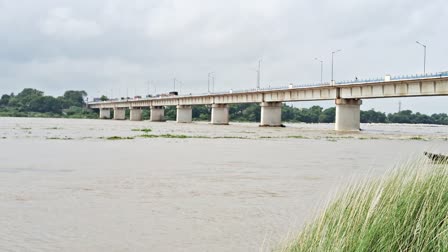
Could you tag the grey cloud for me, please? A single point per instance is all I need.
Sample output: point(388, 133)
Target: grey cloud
point(102, 45)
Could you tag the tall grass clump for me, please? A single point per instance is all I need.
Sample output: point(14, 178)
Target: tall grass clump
point(407, 210)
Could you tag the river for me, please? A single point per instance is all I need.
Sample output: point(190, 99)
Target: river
point(65, 187)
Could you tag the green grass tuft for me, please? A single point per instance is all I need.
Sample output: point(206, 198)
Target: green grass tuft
point(404, 211)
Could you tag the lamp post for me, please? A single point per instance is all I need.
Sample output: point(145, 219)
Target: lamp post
point(208, 81)
point(258, 74)
point(332, 65)
point(424, 56)
point(321, 68)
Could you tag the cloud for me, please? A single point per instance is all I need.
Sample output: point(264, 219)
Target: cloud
point(60, 23)
point(100, 45)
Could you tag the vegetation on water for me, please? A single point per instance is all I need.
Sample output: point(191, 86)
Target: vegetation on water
point(33, 103)
point(404, 211)
point(119, 138)
point(59, 138)
point(146, 130)
point(171, 136)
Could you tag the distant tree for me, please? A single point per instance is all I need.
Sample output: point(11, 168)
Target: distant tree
point(372, 116)
point(404, 116)
point(45, 104)
point(440, 118)
point(170, 113)
point(104, 98)
point(202, 113)
point(5, 100)
point(328, 115)
point(23, 99)
point(74, 98)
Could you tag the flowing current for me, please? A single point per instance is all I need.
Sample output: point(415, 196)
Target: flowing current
point(64, 186)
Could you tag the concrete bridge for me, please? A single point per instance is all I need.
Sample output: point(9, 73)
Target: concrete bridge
point(347, 96)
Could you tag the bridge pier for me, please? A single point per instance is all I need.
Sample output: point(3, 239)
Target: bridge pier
point(104, 113)
point(157, 114)
point(136, 114)
point(220, 114)
point(184, 114)
point(271, 114)
point(119, 113)
point(348, 114)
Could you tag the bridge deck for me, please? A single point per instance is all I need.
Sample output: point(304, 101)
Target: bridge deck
point(434, 85)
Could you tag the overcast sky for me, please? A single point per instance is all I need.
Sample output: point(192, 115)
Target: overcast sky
point(110, 46)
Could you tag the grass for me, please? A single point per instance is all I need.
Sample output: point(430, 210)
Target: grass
point(407, 210)
point(143, 130)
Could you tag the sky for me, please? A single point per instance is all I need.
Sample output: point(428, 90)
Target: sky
point(119, 48)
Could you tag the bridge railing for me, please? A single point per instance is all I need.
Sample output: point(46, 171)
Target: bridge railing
point(392, 78)
point(344, 82)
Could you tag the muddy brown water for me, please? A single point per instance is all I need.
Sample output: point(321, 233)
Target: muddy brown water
point(65, 187)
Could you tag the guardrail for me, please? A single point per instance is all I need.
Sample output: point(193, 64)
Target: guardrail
point(345, 82)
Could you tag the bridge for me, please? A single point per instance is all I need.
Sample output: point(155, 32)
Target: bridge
point(347, 95)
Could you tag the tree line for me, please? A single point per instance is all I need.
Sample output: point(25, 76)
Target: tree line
point(314, 114)
point(32, 102)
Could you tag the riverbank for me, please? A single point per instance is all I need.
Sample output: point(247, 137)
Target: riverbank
point(406, 210)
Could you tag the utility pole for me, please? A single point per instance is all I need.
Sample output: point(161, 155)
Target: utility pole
point(213, 82)
point(399, 106)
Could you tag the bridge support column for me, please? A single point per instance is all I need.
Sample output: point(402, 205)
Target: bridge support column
point(157, 114)
point(104, 113)
point(271, 114)
point(119, 113)
point(348, 114)
point(184, 114)
point(136, 114)
point(220, 114)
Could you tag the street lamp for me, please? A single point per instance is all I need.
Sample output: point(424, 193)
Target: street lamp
point(208, 81)
point(332, 64)
point(424, 56)
point(321, 68)
point(258, 74)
